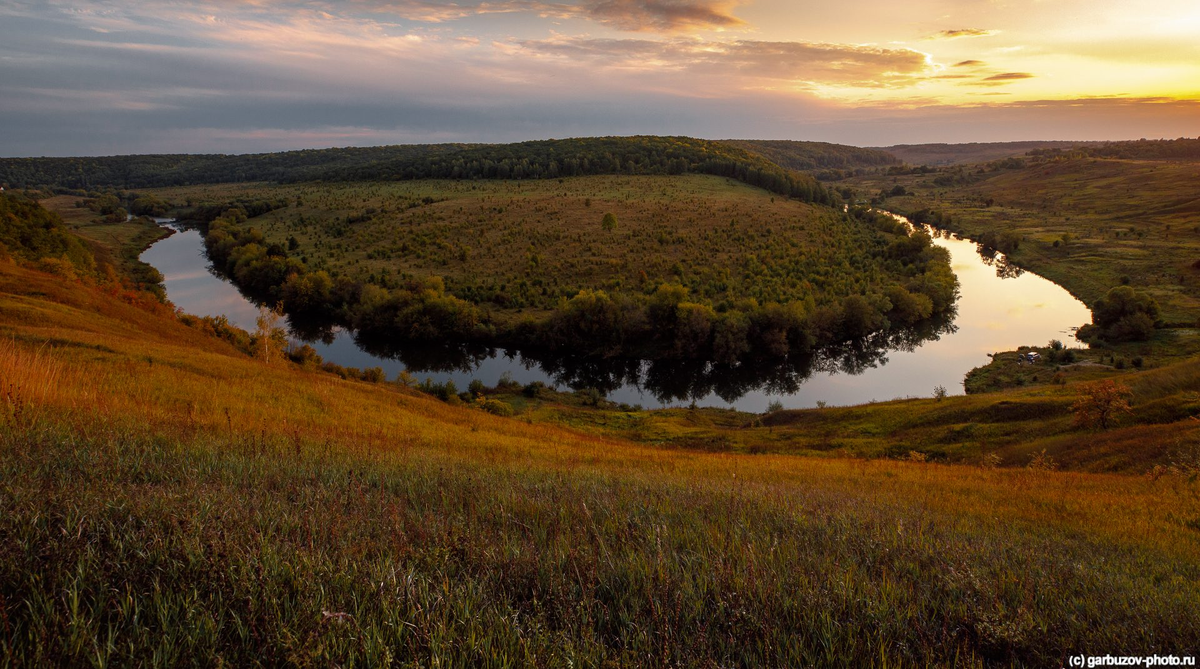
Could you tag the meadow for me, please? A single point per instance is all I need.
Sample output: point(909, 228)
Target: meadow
point(167, 500)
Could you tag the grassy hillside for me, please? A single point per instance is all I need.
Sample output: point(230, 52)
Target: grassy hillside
point(1086, 224)
point(167, 500)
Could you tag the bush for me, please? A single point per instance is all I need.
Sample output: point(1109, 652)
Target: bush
point(1123, 315)
point(374, 375)
point(1101, 404)
point(533, 389)
point(493, 406)
point(305, 356)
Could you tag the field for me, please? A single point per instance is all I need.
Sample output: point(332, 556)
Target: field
point(523, 246)
point(167, 500)
point(1086, 224)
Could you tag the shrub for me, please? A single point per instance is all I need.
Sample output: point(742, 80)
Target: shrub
point(1101, 404)
point(406, 379)
point(1042, 462)
point(306, 356)
point(533, 389)
point(494, 406)
point(374, 375)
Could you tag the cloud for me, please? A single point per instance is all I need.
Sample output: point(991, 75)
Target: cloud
point(959, 33)
point(662, 16)
point(1009, 76)
point(970, 63)
point(747, 62)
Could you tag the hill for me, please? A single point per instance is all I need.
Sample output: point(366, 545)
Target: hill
point(149, 171)
point(973, 152)
point(526, 160)
point(814, 156)
point(168, 499)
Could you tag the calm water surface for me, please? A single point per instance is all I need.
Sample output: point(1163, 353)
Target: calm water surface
point(999, 308)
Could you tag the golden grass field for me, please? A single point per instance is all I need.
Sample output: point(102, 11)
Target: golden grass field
point(166, 500)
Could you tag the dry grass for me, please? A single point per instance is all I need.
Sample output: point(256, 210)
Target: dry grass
point(177, 503)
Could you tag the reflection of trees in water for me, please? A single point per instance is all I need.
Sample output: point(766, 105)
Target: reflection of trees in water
point(675, 380)
point(993, 258)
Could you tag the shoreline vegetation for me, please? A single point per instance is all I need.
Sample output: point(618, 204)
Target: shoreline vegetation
point(661, 321)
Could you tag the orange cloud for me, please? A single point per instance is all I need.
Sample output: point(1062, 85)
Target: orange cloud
point(1010, 76)
point(666, 16)
point(743, 63)
point(663, 15)
point(959, 33)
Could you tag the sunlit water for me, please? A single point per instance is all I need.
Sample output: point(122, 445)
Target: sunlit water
point(999, 309)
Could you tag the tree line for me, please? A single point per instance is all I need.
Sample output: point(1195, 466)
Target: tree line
point(664, 322)
point(1183, 148)
point(526, 160)
point(552, 159)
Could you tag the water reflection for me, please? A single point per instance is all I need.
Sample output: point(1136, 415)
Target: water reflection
point(672, 381)
point(999, 308)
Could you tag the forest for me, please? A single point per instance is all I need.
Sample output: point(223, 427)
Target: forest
point(1143, 149)
point(815, 156)
point(773, 165)
point(722, 271)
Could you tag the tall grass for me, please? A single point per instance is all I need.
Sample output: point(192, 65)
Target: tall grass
point(171, 502)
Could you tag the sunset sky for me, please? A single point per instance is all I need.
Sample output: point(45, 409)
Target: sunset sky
point(117, 76)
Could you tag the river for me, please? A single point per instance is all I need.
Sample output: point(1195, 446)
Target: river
point(999, 309)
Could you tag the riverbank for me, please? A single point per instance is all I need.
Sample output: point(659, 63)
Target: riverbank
point(994, 313)
point(1087, 224)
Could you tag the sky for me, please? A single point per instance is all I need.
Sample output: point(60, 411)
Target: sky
point(98, 77)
